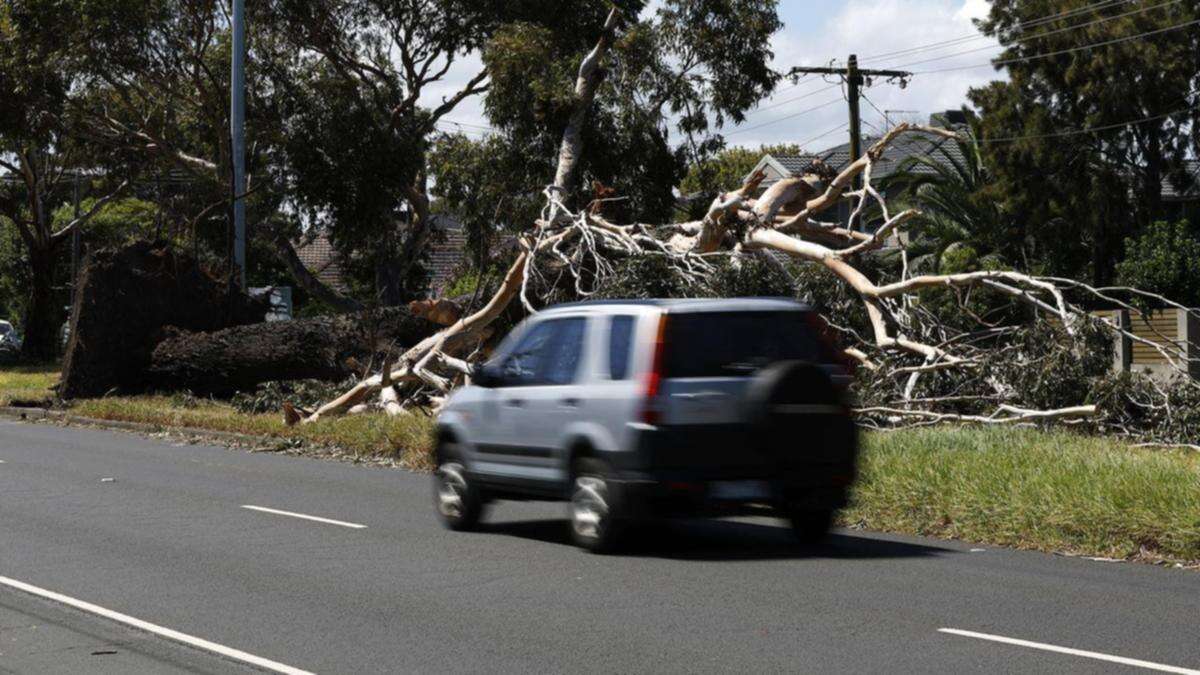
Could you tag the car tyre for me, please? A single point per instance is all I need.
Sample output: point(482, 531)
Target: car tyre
point(811, 526)
point(457, 498)
point(596, 508)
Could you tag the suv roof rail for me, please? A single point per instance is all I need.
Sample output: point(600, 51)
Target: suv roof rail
point(667, 302)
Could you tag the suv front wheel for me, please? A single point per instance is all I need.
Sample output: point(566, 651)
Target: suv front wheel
point(596, 507)
point(458, 500)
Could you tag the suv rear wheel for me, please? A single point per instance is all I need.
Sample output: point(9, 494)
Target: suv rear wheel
point(596, 507)
point(458, 500)
point(811, 527)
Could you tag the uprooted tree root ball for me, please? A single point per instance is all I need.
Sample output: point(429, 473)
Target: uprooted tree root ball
point(126, 298)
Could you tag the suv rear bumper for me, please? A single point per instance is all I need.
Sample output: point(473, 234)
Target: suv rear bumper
point(682, 470)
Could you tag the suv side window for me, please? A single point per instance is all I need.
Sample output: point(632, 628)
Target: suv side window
point(620, 339)
point(566, 352)
point(548, 354)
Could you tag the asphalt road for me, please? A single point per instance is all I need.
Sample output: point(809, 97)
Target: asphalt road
point(160, 533)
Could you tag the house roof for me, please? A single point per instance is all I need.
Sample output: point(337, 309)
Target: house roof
point(914, 144)
point(317, 256)
point(1190, 189)
point(446, 253)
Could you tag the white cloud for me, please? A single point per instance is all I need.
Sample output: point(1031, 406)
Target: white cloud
point(876, 30)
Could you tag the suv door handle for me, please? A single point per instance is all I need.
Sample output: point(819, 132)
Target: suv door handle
point(570, 402)
point(514, 403)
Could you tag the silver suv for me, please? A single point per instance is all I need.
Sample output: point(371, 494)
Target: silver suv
point(635, 409)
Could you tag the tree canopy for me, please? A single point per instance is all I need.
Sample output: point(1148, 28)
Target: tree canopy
point(1080, 193)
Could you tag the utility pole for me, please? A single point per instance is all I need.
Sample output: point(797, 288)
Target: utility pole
point(237, 121)
point(854, 83)
point(855, 78)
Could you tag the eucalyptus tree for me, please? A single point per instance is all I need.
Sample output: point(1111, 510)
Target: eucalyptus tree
point(42, 80)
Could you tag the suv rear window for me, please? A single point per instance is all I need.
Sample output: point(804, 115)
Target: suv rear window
point(733, 344)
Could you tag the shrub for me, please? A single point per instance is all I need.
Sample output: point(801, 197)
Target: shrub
point(1165, 259)
point(269, 397)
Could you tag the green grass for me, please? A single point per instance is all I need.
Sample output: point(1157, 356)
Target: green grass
point(1051, 491)
point(408, 438)
point(27, 385)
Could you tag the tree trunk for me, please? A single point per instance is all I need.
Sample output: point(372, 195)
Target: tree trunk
point(237, 359)
point(41, 325)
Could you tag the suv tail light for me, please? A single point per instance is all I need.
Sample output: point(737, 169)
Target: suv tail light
point(829, 342)
point(651, 413)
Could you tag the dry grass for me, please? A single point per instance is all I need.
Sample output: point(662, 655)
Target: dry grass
point(27, 385)
point(1051, 491)
point(408, 439)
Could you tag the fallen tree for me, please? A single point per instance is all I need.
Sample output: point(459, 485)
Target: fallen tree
point(900, 343)
point(224, 362)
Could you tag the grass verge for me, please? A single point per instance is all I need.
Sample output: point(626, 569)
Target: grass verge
point(1050, 491)
point(27, 385)
point(408, 439)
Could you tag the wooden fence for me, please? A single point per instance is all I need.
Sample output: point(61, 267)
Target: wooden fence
point(1158, 337)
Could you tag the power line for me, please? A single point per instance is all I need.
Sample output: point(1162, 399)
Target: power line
point(798, 98)
point(1032, 23)
point(1088, 130)
point(818, 137)
point(1034, 57)
point(872, 104)
point(466, 124)
point(1048, 33)
point(786, 117)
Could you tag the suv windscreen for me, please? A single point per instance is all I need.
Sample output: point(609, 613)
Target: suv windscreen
point(734, 344)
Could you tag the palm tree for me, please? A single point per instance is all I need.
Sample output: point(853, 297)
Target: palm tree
point(959, 226)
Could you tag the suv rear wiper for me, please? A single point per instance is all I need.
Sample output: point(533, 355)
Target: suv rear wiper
point(742, 366)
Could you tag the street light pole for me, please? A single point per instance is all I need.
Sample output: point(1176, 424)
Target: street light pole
point(237, 121)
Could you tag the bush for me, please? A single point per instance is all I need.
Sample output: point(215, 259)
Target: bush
point(1133, 402)
point(269, 397)
point(1165, 259)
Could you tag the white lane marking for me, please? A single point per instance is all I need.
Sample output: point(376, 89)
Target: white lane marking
point(1073, 652)
point(190, 640)
point(318, 519)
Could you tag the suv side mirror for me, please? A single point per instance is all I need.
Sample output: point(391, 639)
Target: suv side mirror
point(488, 376)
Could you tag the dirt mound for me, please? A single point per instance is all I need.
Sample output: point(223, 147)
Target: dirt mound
point(127, 299)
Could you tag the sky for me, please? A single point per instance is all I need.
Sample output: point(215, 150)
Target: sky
point(815, 33)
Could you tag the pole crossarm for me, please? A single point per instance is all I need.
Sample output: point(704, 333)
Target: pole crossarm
point(804, 70)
